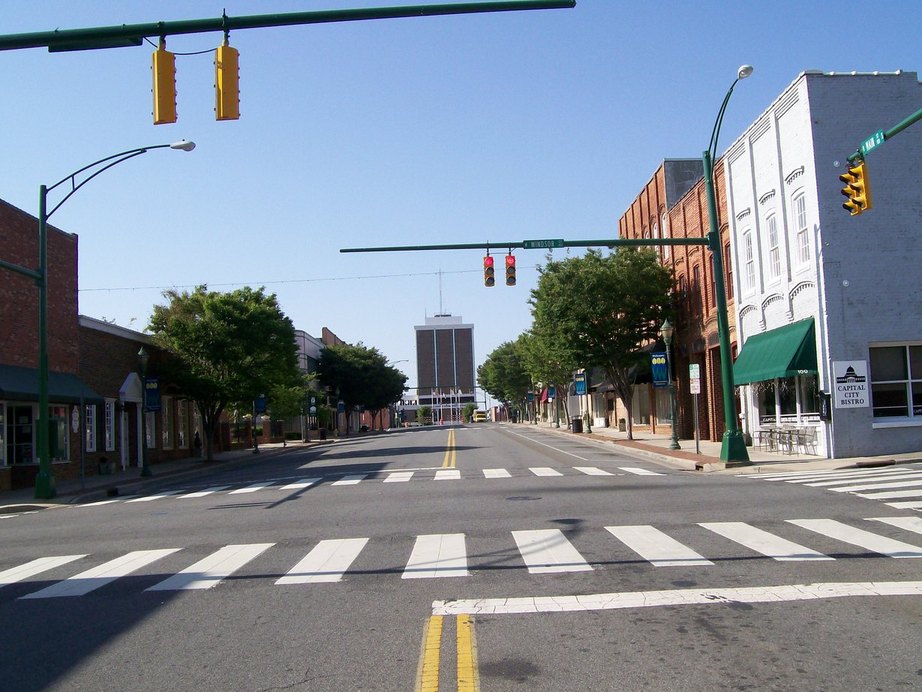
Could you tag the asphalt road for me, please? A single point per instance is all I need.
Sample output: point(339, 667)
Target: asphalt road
point(440, 559)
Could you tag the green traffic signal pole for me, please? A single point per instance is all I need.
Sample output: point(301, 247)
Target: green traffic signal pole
point(882, 136)
point(134, 34)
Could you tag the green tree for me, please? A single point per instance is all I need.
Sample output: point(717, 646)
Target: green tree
point(605, 309)
point(469, 409)
point(225, 348)
point(549, 359)
point(503, 374)
point(424, 414)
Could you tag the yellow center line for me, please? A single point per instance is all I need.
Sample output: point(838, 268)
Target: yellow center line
point(450, 451)
point(468, 675)
point(427, 674)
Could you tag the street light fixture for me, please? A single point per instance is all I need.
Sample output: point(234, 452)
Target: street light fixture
point(143, 358)
point(666, 332)
point(733, 446)
point(44, 480)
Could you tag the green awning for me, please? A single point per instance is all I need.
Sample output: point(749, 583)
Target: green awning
point(783, 352)
point(21, 384)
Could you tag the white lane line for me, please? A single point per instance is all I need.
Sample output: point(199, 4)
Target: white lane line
point(208, 573)
point(351, 480)
point(913, 524)
point(158, 496)
point(880, 485)
point(675, 597)
point(764, 542)
point(865, 479)
point(203, 493)
point(545, 471)
point(544, 444)
point(99, 503)
point(448, 475)
point(399, 477)
point(326, 563)
point(252, 488)
point(863, 539)
point(548, 550)
point(301, 484)
point(593, 471)
point(437, 555)
point(33, 567)
point(656, 547)
point(92, 579)
point(639, 471)
point(496, 473)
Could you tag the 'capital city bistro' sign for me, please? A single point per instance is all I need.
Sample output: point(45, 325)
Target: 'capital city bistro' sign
point(851, 384)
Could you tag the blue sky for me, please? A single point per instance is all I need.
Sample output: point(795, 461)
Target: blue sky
point(456, 129)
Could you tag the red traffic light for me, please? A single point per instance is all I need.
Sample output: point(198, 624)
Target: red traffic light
point(510, 270)
point(489, 277)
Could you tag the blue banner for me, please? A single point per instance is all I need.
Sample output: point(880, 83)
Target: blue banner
point(151, 393)
point(660, 369)
point(581, 383)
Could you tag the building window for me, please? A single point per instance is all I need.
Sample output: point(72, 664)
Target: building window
point(181, 441)
point(665, 226)
point(896, 381)
point(2, 431)
point(90, 428)
point(166, 427)
point(750, 261)
point(151, 431)
point(728, 267)
point(774, 250)
point(110, 426)
point(800, 223)
point(713, 297)
point(697, 289)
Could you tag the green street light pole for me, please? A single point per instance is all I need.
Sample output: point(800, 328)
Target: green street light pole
point(733, 446)
point(44, 481)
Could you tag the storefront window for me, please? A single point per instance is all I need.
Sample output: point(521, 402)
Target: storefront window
point(896, 381)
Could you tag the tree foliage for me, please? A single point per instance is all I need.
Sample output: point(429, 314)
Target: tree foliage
point(600, 311)
point(226, 348)
point(503, 374)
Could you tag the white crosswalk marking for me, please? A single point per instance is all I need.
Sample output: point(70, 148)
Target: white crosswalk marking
point(399, 477)
point(879, 485)
point(905, 505)
point(763, 542)
point(852, 480)
point(252, 488)
point(809, 476)
point(99, 503)
point(913, 524)
point(861, 538)
point(593, 471)
point(351, 480)
point(496, 473)
point(448, 475)
point(637, 471)
point(301, 484)
point(327, 562)
point(548, 550)
point(33, 567)
point(92, 579)
point(205, 492)
point(437, 555)
point(208, 573)
point(545, 471)
point(158, 496)
point(656, 547)
point(891, 494)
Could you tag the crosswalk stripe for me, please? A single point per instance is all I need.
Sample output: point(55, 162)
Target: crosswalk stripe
point(859, 537)
point(886, 478)
point(327, 562)
point(545, 471)
point(351, 480)
point(763, 542)
point(637, 471)
point(301, 484)
point(905, 505)
point(33, 567)
point(656, 547)
point(807, 476)
point(99, 503)
point(913, 524)
point(878, 486)
point(208, 573)
point(593, 471)
point(496, 473)
point(891, 494)
point(448, 475)
point(398, 477)
point(437, 555)
point(203, 493)
point(158, 496)
point(92, 579)
point(252, 488)
point(548, 550)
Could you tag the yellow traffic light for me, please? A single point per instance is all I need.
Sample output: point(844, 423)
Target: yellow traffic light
point(164, 72)
point(227, 83)
point(857, 189)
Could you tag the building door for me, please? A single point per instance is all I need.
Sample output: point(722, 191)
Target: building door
point(123, 448)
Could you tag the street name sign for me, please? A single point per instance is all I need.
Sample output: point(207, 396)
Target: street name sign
point(541, 244)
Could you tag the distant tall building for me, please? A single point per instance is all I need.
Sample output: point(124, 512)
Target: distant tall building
point(445, 365)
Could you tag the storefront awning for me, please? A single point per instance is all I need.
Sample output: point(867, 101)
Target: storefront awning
point(21, 384)
point(783, 352)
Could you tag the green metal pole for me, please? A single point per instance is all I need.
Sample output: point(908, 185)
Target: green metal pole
point(733, 447)
point(44, 481)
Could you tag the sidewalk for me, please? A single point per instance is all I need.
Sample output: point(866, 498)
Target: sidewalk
point(130, 482)
point(655, 446)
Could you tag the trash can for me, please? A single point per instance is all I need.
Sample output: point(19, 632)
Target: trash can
point(323, 433)
point(576, 424)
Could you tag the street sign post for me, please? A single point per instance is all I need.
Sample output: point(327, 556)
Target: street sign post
point(694, 380)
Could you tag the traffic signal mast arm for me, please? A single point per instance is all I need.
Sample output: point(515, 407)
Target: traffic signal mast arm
point(882, 136)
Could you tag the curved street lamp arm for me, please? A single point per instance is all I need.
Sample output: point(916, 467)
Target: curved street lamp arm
point(715, 133)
